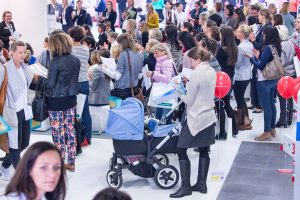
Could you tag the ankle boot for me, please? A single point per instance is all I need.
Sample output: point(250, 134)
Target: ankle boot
point(239, 117)
point(247, 120)
point(202, 175)
point(185, 173)
point(241, 121)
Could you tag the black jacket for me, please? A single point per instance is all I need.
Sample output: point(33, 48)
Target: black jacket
point(62, 80)
point(80, 18)
point(102, 39)
point(258, 42)
point(68, 17)
point(5, 33)
point(112, 17)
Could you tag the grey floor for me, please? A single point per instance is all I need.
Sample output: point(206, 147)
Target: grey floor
point(254, 174)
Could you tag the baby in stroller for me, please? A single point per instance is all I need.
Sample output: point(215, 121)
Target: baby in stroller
point(139, 149)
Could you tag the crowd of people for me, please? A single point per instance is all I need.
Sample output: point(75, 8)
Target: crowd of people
point(239, 41)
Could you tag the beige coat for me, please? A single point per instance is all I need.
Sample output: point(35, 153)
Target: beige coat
point(200, 98)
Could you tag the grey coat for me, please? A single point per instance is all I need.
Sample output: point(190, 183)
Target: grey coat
point(99, 88)
point(14, 88)
point(288, 52)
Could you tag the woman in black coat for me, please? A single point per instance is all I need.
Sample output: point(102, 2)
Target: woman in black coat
point(7, 28)
point(61, 91)
point(109, 15)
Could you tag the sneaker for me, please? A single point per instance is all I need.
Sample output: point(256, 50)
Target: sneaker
point(4, 173)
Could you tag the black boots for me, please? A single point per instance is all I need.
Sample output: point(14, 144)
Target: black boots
point(185, 173)
point(203, 166)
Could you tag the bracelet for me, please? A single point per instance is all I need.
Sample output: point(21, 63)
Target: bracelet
point(152, 74)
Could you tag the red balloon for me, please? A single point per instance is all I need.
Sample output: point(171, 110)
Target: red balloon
point(285, 86)
point(298, 79)
point(295, 92)
point(223, 85)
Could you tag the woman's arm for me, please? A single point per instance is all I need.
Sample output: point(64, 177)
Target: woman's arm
point(192, 89)
point(52, 75)
point(240, 58)
point(265, 57)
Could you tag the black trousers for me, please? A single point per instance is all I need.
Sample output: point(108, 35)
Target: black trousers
point(13, 157)
point(239, 89)
point(222, 107)
point(286, 110)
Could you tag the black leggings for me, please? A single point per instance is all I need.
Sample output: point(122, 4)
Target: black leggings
point(182, 155)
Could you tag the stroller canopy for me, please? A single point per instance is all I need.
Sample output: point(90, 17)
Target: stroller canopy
point(127, 121)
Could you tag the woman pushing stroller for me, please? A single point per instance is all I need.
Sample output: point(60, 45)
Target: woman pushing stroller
point(199, 124)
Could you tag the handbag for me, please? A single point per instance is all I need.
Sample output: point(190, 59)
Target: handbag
point(135, 92)
point(4, 146)
point(274, 69)
point(39, 105)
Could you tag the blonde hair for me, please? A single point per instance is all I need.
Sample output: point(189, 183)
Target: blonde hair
point(115, 51)
point(59, 44)
point(16, 44)
point(162, 48)
point(94, 57)
point(151, 43)
point(149, 5)
point(131, 24)
point(203, 16)
point(245, 29)
point(155, 33)
point(285, 8)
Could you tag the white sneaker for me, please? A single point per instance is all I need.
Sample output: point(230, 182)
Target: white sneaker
point(4, 173)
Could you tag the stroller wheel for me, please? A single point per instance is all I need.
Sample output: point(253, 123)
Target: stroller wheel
point(162, 159)
point(114, 179)
point(166, 176)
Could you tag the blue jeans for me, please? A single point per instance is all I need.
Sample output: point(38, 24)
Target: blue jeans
point(86, 117)
point(266, 90)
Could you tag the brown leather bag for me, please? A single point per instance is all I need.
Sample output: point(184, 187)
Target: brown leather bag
point(3, 137)
point(135, 92)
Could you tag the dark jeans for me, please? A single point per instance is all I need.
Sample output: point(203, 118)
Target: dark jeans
point(253, 92)
point(86, 117)
point(266, 90)
point(239, 89)
point(13, 157)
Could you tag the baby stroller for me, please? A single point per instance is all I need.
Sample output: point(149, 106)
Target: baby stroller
point(142, 152)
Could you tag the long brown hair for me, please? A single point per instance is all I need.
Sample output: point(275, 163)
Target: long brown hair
point(228, 44)
point(22, 181)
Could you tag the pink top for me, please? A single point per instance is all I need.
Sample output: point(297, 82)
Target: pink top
point(164, 70)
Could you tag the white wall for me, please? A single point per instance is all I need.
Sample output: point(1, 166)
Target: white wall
point(30, 19)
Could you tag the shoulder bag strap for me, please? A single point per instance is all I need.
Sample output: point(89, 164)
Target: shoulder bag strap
point(129, 64)
point(175, 70)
